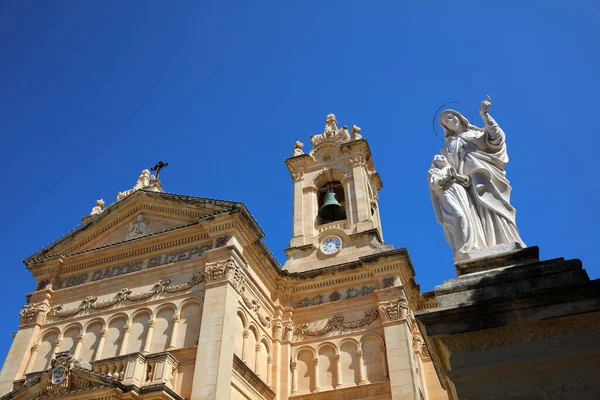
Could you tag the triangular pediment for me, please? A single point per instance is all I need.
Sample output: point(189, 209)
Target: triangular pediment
point(139, 215)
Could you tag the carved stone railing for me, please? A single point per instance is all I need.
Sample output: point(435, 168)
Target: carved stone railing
point(337, 224)
point(138, 369)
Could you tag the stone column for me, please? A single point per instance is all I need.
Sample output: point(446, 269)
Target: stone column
point(126, 333)
point(294, 378)
point(338, 366)
point(78, 346)
point(57, 343)
point(269, 367)
point(311, 206)
point(245, 336)
point(173, 342)
point(361, 368)
point(256, 358)
point(316, 363)
point(100, 349)
point(149, 336)
point(34, 352)
point(217, 331)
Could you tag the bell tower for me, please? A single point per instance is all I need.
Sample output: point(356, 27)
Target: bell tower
point(336, 214)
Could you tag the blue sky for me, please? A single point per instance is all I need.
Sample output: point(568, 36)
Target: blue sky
point(91, 93)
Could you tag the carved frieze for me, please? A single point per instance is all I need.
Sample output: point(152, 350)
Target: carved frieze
point(351, 293)
point(126, 294)
point(337, 322)
point(128, 268)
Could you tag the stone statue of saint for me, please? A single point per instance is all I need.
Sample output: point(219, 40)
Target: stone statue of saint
point(138, 229)
point(99, 207)
point(480, 154)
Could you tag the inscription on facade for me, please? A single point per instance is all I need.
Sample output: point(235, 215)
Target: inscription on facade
point(128, 268)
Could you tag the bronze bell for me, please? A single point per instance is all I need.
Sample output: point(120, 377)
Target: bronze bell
point(332, 210)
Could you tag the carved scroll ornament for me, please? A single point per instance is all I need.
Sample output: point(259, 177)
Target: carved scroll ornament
point(91, 302)
point(337, 322)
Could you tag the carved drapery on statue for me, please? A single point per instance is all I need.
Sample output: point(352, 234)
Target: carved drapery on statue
point(468, 185)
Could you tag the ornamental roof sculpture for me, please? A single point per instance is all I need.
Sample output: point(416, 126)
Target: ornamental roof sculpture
point(334, 134)
point(144, 181)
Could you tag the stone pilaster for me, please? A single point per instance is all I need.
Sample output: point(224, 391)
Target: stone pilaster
point(216, 344)
point(394, 312)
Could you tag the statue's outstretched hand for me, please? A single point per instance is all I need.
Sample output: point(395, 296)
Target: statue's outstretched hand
point(485, 105)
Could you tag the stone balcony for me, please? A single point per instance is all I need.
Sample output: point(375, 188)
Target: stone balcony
point(139, 369)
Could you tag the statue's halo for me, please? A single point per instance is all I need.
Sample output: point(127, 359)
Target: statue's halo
point(435, 116)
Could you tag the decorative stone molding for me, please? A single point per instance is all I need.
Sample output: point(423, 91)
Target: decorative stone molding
point(254, 307)
point(394, 310)
point(312, 301)
point(126, 294)
point(221, 241)
point(337, 322)
point(388, 282)
point(351, 293)
point(34, 313)
point(358, 160)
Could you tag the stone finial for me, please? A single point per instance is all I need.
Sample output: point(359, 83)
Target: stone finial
point(99, 207)
point(298, 148)
point(355, 131)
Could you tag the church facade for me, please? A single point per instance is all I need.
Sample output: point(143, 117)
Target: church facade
point(167, 296)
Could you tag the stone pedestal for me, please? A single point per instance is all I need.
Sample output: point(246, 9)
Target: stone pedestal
point(512, 327)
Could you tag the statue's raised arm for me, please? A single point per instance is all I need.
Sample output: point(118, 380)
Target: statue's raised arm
point(494, 134)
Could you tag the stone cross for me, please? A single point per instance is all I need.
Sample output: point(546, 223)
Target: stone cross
point(160, 165)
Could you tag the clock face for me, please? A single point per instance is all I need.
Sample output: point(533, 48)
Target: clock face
point(331, 245)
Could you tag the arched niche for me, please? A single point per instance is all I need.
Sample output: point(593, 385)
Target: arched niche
point(46, 350)
point(240, 326)
point(91, 340)
point(250, 347)
point(163, 328)
point(189, 324)
point(114, 337)
point(350, 363)
point(70, 338)
point(139, 331)
point(327, 367)
point(372, 348)
point(261, 362)
point(305, 371)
